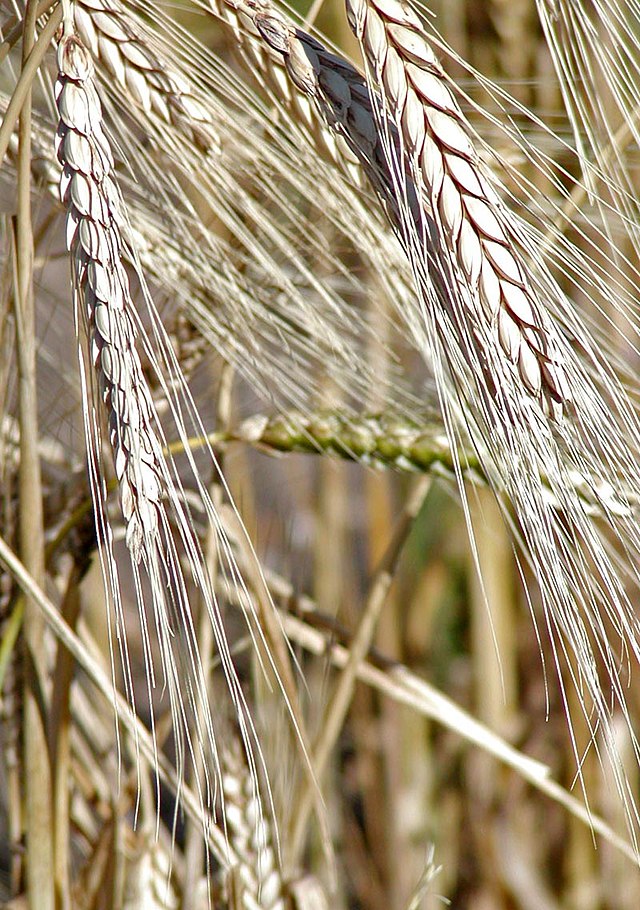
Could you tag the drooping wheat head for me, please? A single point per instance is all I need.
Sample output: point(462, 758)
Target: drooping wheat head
point(159, 531)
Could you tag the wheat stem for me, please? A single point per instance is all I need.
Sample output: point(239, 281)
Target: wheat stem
point(60, 740)
point(340, 700)
point(40, 870)
point(193, 843)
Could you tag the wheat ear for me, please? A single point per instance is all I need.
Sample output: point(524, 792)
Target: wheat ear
point(152, 498)
point(476, 230)
point(415, 444)
point(94, 239)
point(257, 873)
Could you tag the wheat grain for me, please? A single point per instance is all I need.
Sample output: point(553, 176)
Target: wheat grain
point(257, 873)
point(150, 492)
point(147, 873)
point(220, 286)
point(153, 85)
point(296, 67)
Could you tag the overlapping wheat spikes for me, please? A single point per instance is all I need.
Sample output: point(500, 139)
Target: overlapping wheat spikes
point(358, 246)
point(505, 369)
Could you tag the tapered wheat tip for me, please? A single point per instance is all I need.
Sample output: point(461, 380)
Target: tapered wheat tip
point(485, 268)
point(95, 242)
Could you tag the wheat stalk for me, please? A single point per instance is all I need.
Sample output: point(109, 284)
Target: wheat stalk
point(320, 635)
point(475, 236)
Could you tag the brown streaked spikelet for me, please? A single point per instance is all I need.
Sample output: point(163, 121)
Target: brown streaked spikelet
point(474, 226)
point(265, 63)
